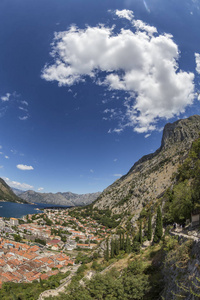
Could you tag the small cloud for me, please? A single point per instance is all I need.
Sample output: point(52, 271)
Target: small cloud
point(1, 152)
point(23, 118)
point(147, 135)
point(6, 97)
point(0, 147)
point(6, 156)
point(24, 167)
point(13, 151)
point(24, 102)
point(22, 108)
point(1, 167)
point(18, 185)
point(91, 171)
point(125, 13)
point(40, 189)
point(117, 175)
point(118, 130)
point(115, 159)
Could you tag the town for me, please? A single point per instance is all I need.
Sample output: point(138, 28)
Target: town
point(38, 246)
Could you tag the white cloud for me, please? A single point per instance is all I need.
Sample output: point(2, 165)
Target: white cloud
point(138, 61)
point(0, 147)
point(6, 156)
point(1, 153)
point(197, 59)
point(22, 108)
point(115, 159)
point(117, 175)
point(23, 118)
point(24, 167)
point(18, 185)
point(147, 135)
point(91, 171)
point(1, 167)
point(24, 102)
point(125, 13)
point(40, 189)
point(6, 97)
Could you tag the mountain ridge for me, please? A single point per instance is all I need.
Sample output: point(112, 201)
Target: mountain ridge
point(65, 198)
point(149, 177)
point(6, 193)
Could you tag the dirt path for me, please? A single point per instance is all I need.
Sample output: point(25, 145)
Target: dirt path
point(191, 237)
point(61, 288)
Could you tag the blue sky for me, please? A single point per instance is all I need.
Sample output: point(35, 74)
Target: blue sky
point(87, 86)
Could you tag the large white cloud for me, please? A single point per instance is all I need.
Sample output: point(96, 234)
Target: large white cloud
point(24, 167)
point(137, 60)
point(18, 185)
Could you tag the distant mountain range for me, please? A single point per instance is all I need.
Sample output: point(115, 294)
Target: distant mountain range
point(66, 199)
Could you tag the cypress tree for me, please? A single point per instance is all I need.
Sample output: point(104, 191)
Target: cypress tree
point(159, 226)
point(116, 250)
point(149, 232)
point(112, 251)
point(123, 246)
point(140, 232)
point(128, 245)
point(120, 241)
point(106, 253)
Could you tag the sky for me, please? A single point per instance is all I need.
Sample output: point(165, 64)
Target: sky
point(86, 87)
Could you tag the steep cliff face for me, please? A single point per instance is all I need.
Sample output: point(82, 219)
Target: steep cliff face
point(6, 193)
point(148, 179)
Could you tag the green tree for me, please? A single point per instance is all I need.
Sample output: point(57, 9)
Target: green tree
point(149, 232)
point(140, 232)
point(159, 226)
point(128, 245)
point(106, 253)
point(112, 251)
point(116, 250)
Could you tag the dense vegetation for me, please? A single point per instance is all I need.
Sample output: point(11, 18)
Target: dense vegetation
point(184, 197)
point(103, 217)
point(132, 284)
point(31, 291)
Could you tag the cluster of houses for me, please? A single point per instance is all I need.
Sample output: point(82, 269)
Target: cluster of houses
point(20, 262)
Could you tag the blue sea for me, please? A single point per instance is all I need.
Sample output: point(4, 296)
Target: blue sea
point(16, 210)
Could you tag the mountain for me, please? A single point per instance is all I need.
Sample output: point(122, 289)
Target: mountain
point(6, 193)
point(66, 199)
point(149, 178)
point(17, 191)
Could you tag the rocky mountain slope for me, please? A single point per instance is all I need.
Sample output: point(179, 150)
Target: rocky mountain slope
point(66, 199)
point(149, 178)
point(6, 193)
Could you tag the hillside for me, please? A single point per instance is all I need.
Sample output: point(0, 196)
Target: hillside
point(149, 178)
point(66, 199)
point(6, 193)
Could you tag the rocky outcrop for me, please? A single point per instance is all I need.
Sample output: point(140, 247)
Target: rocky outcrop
point(181, 271)
point(149, 177)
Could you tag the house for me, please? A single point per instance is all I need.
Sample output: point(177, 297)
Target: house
point(14, 222)
point(195, 218)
